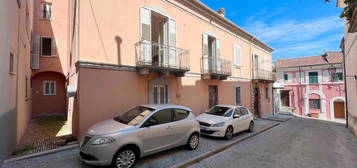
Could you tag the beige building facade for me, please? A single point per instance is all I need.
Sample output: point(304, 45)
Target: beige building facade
point(15, 74)
point(349, 48)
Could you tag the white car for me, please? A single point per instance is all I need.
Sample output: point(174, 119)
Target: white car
point(225, 121)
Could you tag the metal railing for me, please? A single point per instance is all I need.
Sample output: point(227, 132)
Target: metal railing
point(263, 74)
point(152, 54)
point(217, 66)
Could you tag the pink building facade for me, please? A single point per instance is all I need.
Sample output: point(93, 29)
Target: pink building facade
point(311, 86)
point(96, 59)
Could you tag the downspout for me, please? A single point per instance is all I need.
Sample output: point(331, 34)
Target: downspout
point(345, 81)
point(299, 92)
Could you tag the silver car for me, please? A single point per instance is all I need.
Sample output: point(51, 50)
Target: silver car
point(141, 131)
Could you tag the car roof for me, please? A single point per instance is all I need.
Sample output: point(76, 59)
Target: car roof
point(164, 106)
point(229, 106)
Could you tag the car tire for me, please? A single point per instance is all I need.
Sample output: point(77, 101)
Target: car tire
point(125, 158)
point(193, 141)
point(251, 126)
point(229, 133)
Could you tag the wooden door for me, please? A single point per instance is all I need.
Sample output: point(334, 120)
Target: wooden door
point(212, 96)
point(339, 108)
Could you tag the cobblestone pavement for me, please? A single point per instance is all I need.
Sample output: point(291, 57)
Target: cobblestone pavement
point(296, 143)
point(70, 158)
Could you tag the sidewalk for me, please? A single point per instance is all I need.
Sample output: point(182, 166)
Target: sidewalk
point(170, 158)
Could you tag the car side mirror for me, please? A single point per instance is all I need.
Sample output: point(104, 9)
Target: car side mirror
point(236, 116)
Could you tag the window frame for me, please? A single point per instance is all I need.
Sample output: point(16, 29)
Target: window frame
point(311, 106)
point(43, 11)
point(311, 81)
point(340, 74)
point(286, 77)
point(238, 99)
point(41, 46)
point(49, 82)
point(12, 63)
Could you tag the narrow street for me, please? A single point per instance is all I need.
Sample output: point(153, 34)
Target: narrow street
point(296, 143)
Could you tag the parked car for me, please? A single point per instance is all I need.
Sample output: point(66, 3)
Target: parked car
point(141, 131)
point(225, 121)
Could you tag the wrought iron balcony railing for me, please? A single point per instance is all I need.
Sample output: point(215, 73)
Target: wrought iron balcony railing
point(262, 74)
point(216, 66)
point(161, 56)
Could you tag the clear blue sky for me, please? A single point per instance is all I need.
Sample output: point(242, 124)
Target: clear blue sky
point(293, 28)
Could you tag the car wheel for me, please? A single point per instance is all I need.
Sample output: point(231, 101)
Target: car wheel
point(229, 132)
point(193, 141)
point(125, 158)
point(251, 126)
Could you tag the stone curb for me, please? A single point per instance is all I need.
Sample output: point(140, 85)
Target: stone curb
point(220, 149)
point(42, 153)
point(278, 120)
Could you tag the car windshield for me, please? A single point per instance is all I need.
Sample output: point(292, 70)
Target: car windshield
point(134, 116)
point(220, 111)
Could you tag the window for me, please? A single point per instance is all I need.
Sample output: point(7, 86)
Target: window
point(48, 46)
point(313, 77)
point(237, 55)
point(26, 87)
point(267, 93)
point(244, 111)
point(238, 98)
point(238, 111)
point(162, 117)
point(314, 103)
point(180, 114)
point(49, 88)
point(160, 94)
point(12, 64)
point(46, 11)
point(286, 77)
point(337, 77)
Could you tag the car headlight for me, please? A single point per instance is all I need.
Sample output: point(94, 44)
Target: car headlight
point(220, 124)
point(103, 140)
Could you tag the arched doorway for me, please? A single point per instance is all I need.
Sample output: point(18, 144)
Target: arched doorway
point(48, 94)
point(337, 108)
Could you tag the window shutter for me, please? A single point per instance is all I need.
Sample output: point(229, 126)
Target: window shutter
point(145, 19)
point(205, 58)
point(35, 52)
point(172, 43)
point(218, 55)
point(54, 46)
point(237, 55)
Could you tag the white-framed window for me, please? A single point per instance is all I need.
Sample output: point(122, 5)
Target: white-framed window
point(48, 47)
point(238, 96)
point(46, 12)
point(315, 104)
point(237, 55)
point(160, 94)
point(12, 64)
point(338, 77)
point(49, 88)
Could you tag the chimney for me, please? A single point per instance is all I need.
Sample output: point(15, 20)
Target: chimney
point(221, 11)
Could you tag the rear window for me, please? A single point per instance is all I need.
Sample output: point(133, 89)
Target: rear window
point(180, 114)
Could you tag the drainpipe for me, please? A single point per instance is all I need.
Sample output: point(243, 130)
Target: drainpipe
point(345, 82)
point(299, 96)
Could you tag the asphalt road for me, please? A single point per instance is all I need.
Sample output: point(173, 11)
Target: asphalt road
point(298, 143)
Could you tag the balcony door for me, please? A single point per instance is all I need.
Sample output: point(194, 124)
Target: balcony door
point(211, 54)
point(158, 33)
point(159, 91)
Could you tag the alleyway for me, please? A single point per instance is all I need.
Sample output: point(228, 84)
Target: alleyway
point(294, 144)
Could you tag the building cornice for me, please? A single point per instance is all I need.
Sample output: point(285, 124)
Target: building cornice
point(227, 23)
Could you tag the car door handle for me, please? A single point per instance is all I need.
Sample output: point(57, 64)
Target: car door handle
point(169, 128)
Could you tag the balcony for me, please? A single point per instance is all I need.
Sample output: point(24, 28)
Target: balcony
point(215, 68)
point(156, 58)
point(262, 75)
